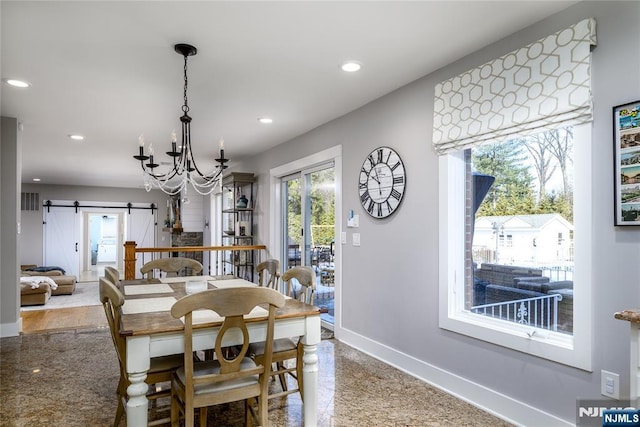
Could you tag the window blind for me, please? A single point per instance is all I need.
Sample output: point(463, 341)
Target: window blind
point(544, 85)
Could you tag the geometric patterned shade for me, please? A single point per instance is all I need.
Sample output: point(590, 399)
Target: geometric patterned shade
point(546, 84)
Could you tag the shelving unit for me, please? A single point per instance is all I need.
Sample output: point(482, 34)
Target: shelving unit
point(237, 223)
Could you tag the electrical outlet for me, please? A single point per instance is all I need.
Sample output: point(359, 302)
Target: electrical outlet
point(610, 384)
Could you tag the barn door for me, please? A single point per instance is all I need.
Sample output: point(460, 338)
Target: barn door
point(61, 239)
point(141, 228)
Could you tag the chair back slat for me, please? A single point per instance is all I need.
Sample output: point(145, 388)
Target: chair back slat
point(112, 299)
point(172, 266)
point(306, 277)
point(113, 275)
point(269, 274)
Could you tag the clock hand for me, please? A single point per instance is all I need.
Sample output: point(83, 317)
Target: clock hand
point(375, 178)
point(378, 180)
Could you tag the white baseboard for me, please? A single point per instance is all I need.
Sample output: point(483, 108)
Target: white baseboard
point(491, 401)
point(10, 329)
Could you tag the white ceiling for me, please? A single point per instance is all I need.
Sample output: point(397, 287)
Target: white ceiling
point(108, 70)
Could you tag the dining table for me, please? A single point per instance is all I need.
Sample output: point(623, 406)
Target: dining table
point(151, 331)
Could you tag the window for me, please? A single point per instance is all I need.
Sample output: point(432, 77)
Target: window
point(485, 251)
point(521, 188)
point(509, 107)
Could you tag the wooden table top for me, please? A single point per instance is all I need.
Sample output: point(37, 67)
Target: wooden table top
point(159, 322)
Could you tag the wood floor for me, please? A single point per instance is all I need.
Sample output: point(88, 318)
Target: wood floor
point(63, 318)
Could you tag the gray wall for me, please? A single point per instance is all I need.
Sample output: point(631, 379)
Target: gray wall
point(390, 283)
point(10, 172)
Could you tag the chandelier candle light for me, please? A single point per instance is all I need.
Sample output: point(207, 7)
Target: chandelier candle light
point(184, 164)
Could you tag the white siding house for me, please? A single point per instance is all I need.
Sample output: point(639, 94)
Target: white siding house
point(527, 240)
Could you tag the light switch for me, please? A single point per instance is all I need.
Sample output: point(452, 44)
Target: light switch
point(356, 239)
point(343, 237)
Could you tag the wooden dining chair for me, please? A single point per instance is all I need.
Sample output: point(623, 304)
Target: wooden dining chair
point(113, 275)
point(172, 266)
point(269, 274)
point(161, 368)
point(228, 378)
point(303, 288)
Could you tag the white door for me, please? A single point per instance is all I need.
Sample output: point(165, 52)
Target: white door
point(61, 239)
point(141, 228)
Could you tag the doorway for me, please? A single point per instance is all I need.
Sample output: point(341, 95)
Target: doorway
point(306, 224)
point(102, 241)
point(309, 229)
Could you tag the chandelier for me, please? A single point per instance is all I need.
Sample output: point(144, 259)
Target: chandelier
point(184, 170)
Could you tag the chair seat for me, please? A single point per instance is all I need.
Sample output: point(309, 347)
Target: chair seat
point(165, 363)
point(279, 345)
point(213, 367)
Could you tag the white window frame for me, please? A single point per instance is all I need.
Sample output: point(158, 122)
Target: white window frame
point(573, 350)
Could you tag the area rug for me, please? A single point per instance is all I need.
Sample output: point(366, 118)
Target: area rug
point(86, 293)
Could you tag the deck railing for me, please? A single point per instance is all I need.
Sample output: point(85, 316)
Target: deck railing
point(539, 312)
point(131, 252)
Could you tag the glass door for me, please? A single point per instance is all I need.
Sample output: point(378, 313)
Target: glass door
point(292, 221)
point(309, 229)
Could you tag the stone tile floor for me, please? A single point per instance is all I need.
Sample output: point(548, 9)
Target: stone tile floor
point(69, 378)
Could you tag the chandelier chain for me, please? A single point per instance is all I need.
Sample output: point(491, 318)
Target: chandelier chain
point(185, 107)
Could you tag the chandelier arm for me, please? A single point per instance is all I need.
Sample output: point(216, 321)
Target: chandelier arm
point(192, 160)
point(164, 177)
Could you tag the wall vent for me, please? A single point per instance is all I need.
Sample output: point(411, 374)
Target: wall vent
point(30, 201)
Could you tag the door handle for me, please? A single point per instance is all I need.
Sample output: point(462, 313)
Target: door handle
point(76, 246)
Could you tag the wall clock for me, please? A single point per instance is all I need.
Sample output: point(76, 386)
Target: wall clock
point(382, 182)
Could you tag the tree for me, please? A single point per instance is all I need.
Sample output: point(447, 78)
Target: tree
point(294, 211)
point(557, 203)
point(538, 149)
point(560, 143)
point(512, 191)
point(321, 206)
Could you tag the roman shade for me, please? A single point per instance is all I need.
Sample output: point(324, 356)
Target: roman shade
point(544, 85)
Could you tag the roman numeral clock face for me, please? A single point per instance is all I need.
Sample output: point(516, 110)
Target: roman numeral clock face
point(381, 182)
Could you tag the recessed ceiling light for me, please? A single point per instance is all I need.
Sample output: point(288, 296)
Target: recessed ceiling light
point(36, 179)
point(265, 120)
point(17, 83)
point(76, 137)
point(351, 66)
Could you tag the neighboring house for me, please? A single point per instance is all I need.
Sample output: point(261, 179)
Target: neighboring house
point(527, 240)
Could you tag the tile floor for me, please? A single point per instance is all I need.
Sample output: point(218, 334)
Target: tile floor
point(69, 378)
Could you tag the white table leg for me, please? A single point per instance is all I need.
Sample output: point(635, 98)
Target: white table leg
point(310, 371)
point(137, 404)
point(138, 362)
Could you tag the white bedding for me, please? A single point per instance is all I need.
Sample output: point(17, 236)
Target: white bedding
point(35, 281)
